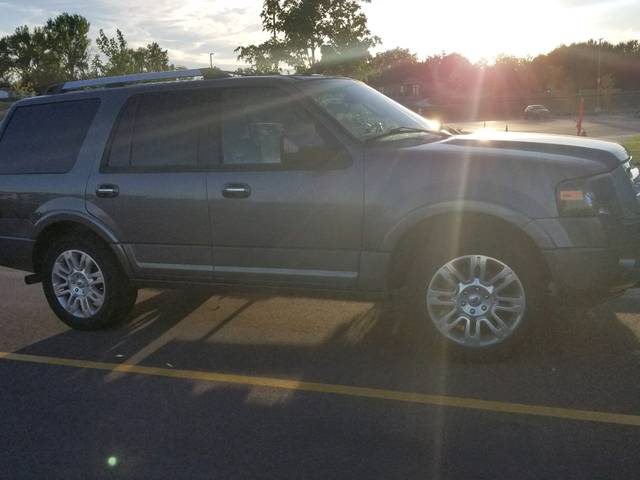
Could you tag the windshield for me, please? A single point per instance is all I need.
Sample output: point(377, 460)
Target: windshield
point(365, 112)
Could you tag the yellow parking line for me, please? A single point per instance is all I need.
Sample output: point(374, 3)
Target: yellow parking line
point(344, 390)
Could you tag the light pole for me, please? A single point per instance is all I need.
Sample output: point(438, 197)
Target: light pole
point(211, 59)
point(598, 80)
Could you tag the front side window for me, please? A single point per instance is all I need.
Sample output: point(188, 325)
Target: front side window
point(263, 126)
point(364, 111)
point(45, 138)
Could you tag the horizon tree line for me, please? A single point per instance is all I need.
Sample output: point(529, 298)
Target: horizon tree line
point(319, 36)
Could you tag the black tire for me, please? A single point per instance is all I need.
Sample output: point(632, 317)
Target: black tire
point(438, 252)
point(119, 296)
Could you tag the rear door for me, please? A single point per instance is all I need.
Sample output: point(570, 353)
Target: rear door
point(151, 187)
point(286, 199)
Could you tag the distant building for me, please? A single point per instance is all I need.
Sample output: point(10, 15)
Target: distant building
point(5, 93)
point(410, 92)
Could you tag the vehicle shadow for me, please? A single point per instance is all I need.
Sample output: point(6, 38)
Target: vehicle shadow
point(151, 318)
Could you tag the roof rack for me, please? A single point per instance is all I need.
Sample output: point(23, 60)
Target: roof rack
point(122, 80)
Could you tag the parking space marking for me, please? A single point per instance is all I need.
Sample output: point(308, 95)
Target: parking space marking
point(342, 390)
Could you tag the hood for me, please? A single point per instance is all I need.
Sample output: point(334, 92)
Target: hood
point(608, 154)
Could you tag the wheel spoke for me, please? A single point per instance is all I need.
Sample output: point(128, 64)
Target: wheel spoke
point(441, 297)
point(459, 319)
point(451, 274)
point(61, 270)
point(472, 332)
point(503, 279)
point(67, 258)
point(61, 290)
point(74, 303)
point(84, 306)
point(85, 263)
point(95, 278)
point(496, 325)
point(478, 267)
point(96, 297)
point(509, 304)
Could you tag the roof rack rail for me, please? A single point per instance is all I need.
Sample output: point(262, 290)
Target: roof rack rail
point(121, 80)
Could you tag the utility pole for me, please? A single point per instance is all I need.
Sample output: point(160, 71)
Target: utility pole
point(211, 59)
point(598, 84)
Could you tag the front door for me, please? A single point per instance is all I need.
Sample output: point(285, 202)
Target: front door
point(286, 199)
point(151, 187)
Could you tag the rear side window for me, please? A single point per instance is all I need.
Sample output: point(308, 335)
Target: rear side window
point(162, 131)
point(45, 138)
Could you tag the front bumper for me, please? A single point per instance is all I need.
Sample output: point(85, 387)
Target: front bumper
point(597, 270)
point(593, 255)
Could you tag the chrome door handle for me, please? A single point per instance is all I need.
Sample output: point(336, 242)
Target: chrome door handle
point(236, 190)
point(107, 191)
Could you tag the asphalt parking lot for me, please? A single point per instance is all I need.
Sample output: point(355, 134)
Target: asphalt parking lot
point(206, 385)
point(607, 127)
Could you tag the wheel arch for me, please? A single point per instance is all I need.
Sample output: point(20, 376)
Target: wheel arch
point(417, 229)
point(53, 226)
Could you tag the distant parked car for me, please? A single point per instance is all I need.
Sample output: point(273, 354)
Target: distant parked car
point(536, 112)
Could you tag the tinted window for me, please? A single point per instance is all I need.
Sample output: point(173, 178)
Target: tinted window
point(259, 125)
point(165, 130)
point(120, 155)
point(45, 138)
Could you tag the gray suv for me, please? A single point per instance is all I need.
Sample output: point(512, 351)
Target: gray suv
point(307, 182)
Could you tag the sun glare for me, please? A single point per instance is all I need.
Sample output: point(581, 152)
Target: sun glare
point(484, 29)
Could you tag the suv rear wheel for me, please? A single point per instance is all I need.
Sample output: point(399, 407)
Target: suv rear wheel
point(479, 299)
point(84, 284)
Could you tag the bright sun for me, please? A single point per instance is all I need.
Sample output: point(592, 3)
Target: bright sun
point(480, 29)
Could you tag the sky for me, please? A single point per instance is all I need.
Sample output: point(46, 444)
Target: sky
point(479, 29)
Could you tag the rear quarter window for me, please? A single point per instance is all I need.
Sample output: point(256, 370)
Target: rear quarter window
point(45, 138)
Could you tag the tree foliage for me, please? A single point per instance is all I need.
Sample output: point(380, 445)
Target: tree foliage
point(566, 71)
point(311, 35)
point(117, 58)
point(33, 58)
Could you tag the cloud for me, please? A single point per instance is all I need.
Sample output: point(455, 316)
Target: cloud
point(188, 29)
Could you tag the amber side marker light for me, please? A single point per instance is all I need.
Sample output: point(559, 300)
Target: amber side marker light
point(571, 195)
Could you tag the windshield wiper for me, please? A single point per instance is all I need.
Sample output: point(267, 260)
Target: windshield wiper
point(401, 130)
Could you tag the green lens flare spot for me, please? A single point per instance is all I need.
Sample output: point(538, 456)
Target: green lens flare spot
point(112, 461)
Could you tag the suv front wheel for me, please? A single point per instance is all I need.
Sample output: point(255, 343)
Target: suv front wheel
point(479, 301)
point(84, 284)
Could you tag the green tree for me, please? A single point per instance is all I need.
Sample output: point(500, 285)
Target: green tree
point(57, 51)
point(117, 58)
point(392, 58)
point(67, 41)
point(311, 35)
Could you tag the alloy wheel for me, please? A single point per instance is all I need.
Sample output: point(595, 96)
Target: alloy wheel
point(476, 301)
point(78, 283)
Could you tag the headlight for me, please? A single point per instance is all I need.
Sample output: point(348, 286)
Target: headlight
point(588, 197)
